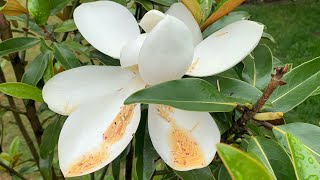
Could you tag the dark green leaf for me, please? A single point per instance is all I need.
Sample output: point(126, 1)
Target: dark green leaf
point(224, 21)
point(305, 165)
point(258, 67)
point(49, 72)
point(272, 156)
point(45, 165)
point(65, 56)
point(17, 44)
point(223, 174)
point(165, 2)
point(45, 48)
point(105, 59)
point(223, 120)
point(75, 46)
point(240, 91)
point(196, 174)
point(302, 81)
point(144, 151)
point(35, 69)
point(188, 94)
point(58, 5)
point(240, 165)
point(21, 90)
point(66, 26)
point(307, 133)
point(146, 4)
point(50, 137)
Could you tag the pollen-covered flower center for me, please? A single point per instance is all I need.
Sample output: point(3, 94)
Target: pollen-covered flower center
point(113, 134)
point(185, 151)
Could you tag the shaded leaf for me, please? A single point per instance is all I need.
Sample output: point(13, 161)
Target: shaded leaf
point(146, 4)
point(268, 36)
point(165, 2)
point(65, 56)
point(45, 48)
point(258, 67)
point(272, 156)
point(75, 46)
point(58, 5)
point(223, 173)
point(223, 120)
point(49, 72)
point(21, 90)
point(206, 7)
point(45, 165)
point(302, 81)
point(188, 94)
point(196, 174)
point(50, 137)
point(223, 8)
point(35, 69)
point(305, 165)
point(66, 26)
point(240, 165)
point(224, 21)
point(17, 44)
point(105, 59)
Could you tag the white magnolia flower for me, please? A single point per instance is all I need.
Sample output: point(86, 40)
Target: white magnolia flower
point(99, 126)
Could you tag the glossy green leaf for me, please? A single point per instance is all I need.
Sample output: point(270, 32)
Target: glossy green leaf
point(65, 56)
point(45, 48)
point(188, 94)
point(307, 133)
point(105, 59)
point(272, 156)
point(302, 81)
point(66, 26)
point(165, 2)
point(146, 4)
point(21, 90)
point(50, 137)
point(75, 46)
point(35, 69)
point(224, 21)
point(258, 67)
point(42, 9)
point(240, 165)
point(305, 164)
point(240, 91)
point(17, 44)
point(144, 151)
point(196, 174)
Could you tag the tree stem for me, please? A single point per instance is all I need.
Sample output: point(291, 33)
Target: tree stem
point(129, 164)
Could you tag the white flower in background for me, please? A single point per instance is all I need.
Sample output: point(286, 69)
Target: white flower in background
point(99, 126)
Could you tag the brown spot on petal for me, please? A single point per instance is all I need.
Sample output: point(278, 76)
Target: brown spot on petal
point(113, 134)
point(193, 66)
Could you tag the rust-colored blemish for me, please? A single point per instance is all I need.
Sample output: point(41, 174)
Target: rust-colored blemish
point(113, 134)
point(193, 66)
point(185, 151)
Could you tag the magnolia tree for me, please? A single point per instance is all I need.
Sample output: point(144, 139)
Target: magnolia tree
point(155, 89)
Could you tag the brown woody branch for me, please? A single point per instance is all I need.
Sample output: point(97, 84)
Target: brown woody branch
point(248, 114)
point(9, 108)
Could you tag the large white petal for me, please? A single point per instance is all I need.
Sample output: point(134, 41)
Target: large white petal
point(180, 11)
point(225, 48)
point(95, 134)
point(167, 52)
point(130, 52)
point(185, 140)
point(151, 19)
point(106, 25)
point(67, 90)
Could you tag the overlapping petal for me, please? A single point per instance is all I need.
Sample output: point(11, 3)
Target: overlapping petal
point(167, 52)
point(185, 140)
point(96, 133)
point(181, 12)
point(130, 52)
point(225, 48)
point(151, 19)
point(67, 90)
point(106, 25)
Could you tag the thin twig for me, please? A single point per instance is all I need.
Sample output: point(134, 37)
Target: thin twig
point(128, 174)
point(8, 108)
point(75, 4)
point(276, 81)
point(12, 171)
point(26, 32)
point(48, 35)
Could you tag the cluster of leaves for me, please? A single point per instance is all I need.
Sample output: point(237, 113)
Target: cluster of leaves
point(288, 151)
